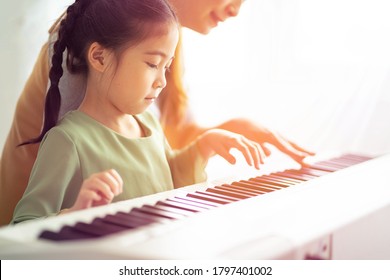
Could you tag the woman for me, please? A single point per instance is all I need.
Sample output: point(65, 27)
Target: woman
point(180, 129)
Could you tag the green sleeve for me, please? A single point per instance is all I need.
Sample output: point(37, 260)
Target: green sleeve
point(187, 165)
point(55, 179)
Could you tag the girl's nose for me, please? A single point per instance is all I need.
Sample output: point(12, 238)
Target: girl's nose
point(161, 82)
point(232, 9)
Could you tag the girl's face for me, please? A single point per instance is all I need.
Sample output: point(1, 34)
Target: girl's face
point(203, 15)
point(139, 76)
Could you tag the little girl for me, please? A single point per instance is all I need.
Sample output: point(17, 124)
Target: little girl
point(111, 148)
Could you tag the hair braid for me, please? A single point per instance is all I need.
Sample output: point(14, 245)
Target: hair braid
point(53, 97)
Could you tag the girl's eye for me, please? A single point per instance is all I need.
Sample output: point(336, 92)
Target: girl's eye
point(152, 65)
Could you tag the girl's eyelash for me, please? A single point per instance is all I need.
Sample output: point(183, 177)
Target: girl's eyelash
point(167, 69)
point(151, 65)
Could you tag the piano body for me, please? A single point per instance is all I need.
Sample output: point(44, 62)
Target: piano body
point(336, 209)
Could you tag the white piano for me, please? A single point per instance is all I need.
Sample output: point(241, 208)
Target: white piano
point(336, 209)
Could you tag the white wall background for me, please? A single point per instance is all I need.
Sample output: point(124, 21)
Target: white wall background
point(23, 30)
point(316, 71)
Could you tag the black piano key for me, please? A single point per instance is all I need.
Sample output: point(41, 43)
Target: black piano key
point(309, 171)
point(270, 182)
point(219, 196)
point(239, 190)
point(358, 158)
point(170, 209)
point(270, 186)
point(201, 202)
point(274, 180)
point(133, 217)
point(254, 189)
point(345, 163)
point(207, 198)
point(341, 161)
point(300, 175)
point(156, 212)
point(288, 180)
point(137, 215)
point(265, 189)
point(146, 216)
point(267, 185)
point(250, 188)
point(291, 176)
point(129, 222)
point(228, 193)
point(186, 201)
point(351, 160)
point(182, 206)
point(98, 228)
point(323, 168)
point(66, 233)
point(336, 166)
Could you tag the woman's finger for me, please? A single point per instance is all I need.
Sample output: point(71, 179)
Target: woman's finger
point(299, 148)
point(224, 152)
point(256, 151)
point(284, 146)
point(267, 151)
point(239, 144)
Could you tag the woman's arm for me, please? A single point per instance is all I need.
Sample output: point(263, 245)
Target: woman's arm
point(181, 135)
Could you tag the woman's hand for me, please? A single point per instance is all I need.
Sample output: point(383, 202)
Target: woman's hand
point(262, 135)
point(99, 189)
point(180, 136)
point(220, 141)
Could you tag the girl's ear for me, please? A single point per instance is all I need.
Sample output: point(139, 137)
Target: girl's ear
point(97, 57)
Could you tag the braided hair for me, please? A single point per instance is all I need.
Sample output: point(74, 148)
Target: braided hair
point(114, 24)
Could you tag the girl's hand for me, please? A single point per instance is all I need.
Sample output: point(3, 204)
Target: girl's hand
point(99, 189)
point(219, 141)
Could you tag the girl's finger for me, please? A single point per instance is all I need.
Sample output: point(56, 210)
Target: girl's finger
point(117, 178)
point(86, 198)
point(97, 184)
point(112, 179)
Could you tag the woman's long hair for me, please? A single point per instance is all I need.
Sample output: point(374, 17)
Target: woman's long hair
point(172, 102)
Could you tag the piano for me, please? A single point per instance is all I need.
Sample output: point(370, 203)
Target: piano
point(334, 208)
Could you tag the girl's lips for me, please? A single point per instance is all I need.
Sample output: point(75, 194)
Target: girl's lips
point(215, 18)
point(150, 99)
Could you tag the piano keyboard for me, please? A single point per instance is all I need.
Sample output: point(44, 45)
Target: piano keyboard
point(186, 205)
point(289, 214)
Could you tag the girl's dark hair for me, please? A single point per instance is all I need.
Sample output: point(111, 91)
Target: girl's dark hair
point(114, 24)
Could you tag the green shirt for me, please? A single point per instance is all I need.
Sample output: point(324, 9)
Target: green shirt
point(80, 146)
